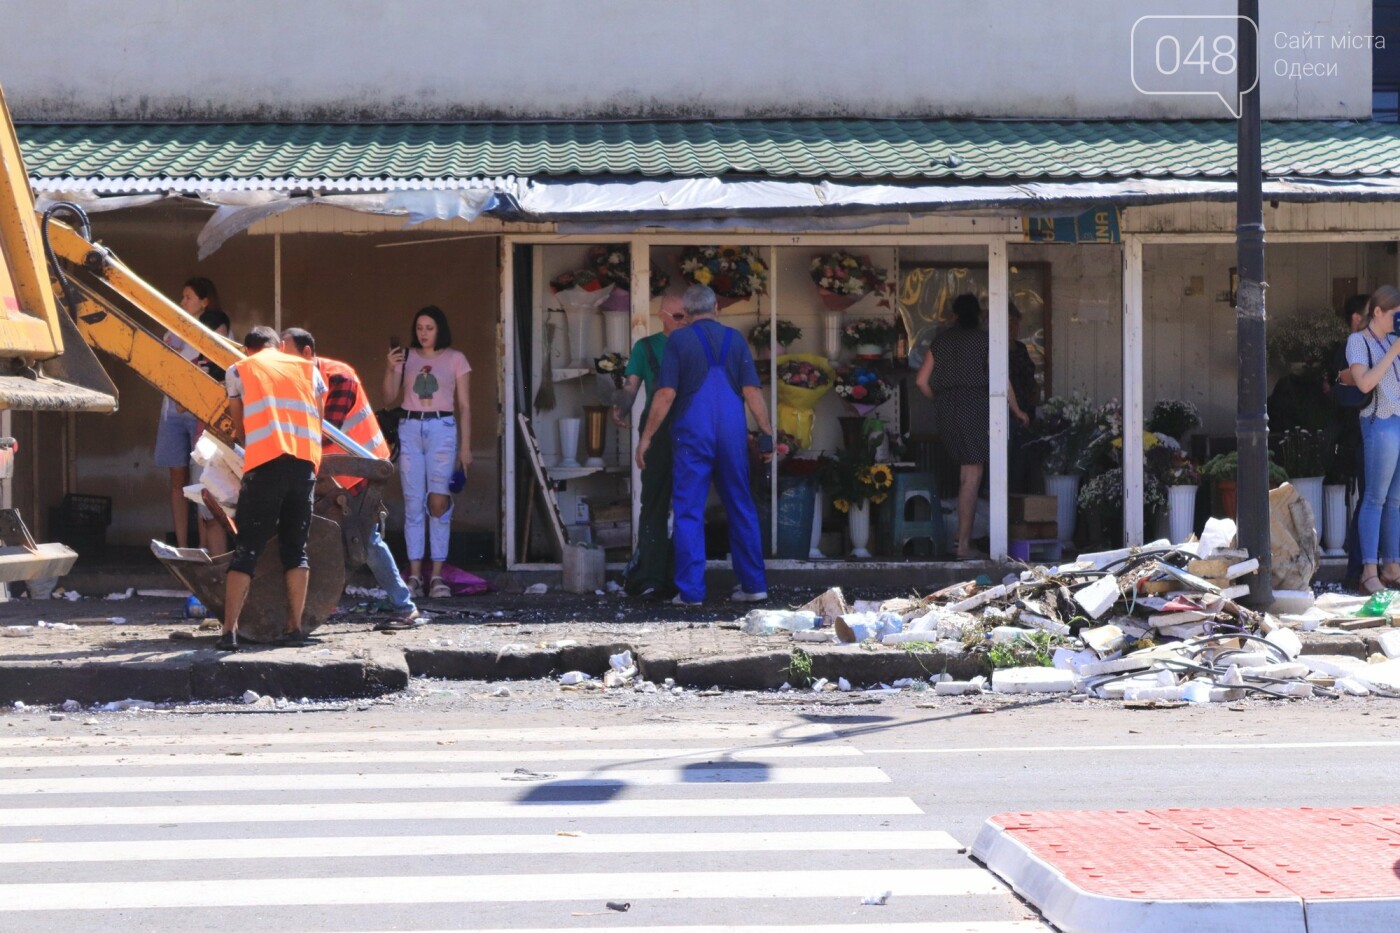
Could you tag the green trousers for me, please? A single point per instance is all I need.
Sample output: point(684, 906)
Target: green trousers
point(653, 563)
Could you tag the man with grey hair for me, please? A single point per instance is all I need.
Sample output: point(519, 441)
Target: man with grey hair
point(708, 376)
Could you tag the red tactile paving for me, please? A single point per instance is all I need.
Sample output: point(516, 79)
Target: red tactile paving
point(1350, 853)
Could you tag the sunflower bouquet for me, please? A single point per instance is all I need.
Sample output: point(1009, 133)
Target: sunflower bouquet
point(852, 477)
point(733, 272)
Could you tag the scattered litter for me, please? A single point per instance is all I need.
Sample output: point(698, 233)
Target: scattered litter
point(19, 705)
point(536, 589)
point(620, 906)
point(501, 692)
point(771, 621)
point(876, 900)
point(18, 631)
point(164, 594)
point(251, 696)
point(57, 717)
point(843, 685)
point(614, 587)
point(569, 678)
point(127, 593)
point(117, 706)
point(72, 596)
point(57, 626)
point(71, 706)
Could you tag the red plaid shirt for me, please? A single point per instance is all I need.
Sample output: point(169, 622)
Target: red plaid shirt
point(340, 396)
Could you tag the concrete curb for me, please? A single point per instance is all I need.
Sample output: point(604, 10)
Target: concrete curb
point(204, 674)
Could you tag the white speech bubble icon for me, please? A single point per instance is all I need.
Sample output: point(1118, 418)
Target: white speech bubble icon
point(1191, 56)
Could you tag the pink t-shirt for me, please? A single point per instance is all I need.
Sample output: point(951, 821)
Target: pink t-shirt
point(430, 382)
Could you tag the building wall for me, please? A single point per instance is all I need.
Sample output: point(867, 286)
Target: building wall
point(346, 290)
point(444, 59)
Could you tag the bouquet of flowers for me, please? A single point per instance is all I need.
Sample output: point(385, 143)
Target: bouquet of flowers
point(862, 389)
point(788, 333)
point(852, 477)
point(1062, 430)
point(1104, 493)
point(1306, 338)
point(733, 272)
point(1182, 471)
point(583, 278)
point(868, 330)
point(1173, 417)
point(612, 265)
point(1303, 453)
point(802, 381)
point(846, 278)
point(612, 364)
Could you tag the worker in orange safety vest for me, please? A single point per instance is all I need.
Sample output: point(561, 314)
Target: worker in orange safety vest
point(276, 402)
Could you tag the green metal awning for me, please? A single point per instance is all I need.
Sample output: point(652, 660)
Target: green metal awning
point(133, 157)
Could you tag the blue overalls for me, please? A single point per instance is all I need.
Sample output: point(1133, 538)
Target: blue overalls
point(711, 439)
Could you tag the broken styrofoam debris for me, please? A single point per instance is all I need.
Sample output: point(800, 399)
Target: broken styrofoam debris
point(876, 900)
point(1389, 643)
point(958, 687)
point(620, 661)
point(819, 684)
point(569, 678)
point(536, 589)
point(56, 626)
point(1067, 659)
point(127, 593)
point(251, 696)
point(501, 692)
point(1352, 686)
point(1286, 640)
point(117, 706)
point(980, 599)
point(1333, 665)
point(1032, 680)
point(843, 685)
point(613, 587)
point(72, 596)
point(815, 636)
point(1105, 640)
point(1098, 596)
point(71, 706)
point(1291, 601)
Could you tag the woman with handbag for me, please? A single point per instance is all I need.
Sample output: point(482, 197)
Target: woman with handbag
point(429, 380)
point(1372, 354)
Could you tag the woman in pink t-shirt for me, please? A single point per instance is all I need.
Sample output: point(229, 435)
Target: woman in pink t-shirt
point(429, 381)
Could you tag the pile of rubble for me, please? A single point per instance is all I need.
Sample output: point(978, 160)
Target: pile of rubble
point(1155, 625)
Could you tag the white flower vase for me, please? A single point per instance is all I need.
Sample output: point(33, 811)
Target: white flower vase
point(814, 551)
point(1334, 520)
point(831, 334)
point(1065, 488)
point(617, 331)
point(1310, 488)
point(568, 441)
point(581, 312)
point(858, 527)
point(1181, 504)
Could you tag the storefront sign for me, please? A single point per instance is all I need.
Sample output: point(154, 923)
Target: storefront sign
point(1099, 225)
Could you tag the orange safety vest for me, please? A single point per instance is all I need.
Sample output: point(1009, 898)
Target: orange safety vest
point(280, 414)
point(360, 425)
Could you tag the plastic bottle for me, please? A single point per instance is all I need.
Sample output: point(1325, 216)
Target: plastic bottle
point(194, 609)
point(458, 481)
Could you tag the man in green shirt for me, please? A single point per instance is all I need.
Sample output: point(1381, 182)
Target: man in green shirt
point(652, 570)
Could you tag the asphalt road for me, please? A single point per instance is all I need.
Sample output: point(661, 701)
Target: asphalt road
point(452, 809)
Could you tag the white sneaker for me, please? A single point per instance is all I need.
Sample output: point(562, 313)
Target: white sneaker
point(682, 601)
point(739, 596)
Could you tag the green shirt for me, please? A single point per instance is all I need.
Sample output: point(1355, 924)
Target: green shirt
point(640, 362)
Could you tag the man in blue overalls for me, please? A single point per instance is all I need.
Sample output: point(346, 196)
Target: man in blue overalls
point(708, 374)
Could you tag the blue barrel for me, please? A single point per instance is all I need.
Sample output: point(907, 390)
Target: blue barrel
point(796, 496)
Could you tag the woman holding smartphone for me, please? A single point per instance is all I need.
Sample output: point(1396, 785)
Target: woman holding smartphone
point(429, 380)
point(1372, 355)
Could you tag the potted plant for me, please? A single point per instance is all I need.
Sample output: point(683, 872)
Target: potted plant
point(852, 480)
point(1174, 418)
point(842, 279)
point(1306, 455)
point(1103, 494)
point(1181, 478)
point(1221, 470)
point(1060, 436)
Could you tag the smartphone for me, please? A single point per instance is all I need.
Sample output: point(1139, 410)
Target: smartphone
point(393, 342)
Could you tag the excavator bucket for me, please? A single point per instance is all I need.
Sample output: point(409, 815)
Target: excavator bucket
point(264, 615)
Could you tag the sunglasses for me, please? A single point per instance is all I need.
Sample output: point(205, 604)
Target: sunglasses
point(679, 316)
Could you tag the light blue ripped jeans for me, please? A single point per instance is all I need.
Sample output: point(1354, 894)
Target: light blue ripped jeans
point(427, 452)
point(1378, 523)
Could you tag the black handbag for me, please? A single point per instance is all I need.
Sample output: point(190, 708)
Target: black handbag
point(389, 419)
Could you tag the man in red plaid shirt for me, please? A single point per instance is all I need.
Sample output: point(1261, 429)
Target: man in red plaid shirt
point(343, 389)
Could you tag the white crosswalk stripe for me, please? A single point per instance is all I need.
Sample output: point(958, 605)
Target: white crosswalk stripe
point(775, 830)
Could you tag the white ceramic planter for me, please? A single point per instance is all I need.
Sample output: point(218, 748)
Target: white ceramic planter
point(1065, 488)
point(858, 527)
point(1334, 520)
point(617, 331)
point(1310, 488)
point(1181, 507)
point(568, 441)
point(814, 551)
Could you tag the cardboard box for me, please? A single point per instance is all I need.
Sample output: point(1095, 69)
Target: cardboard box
point(1033, 531)
point(1032, 509)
